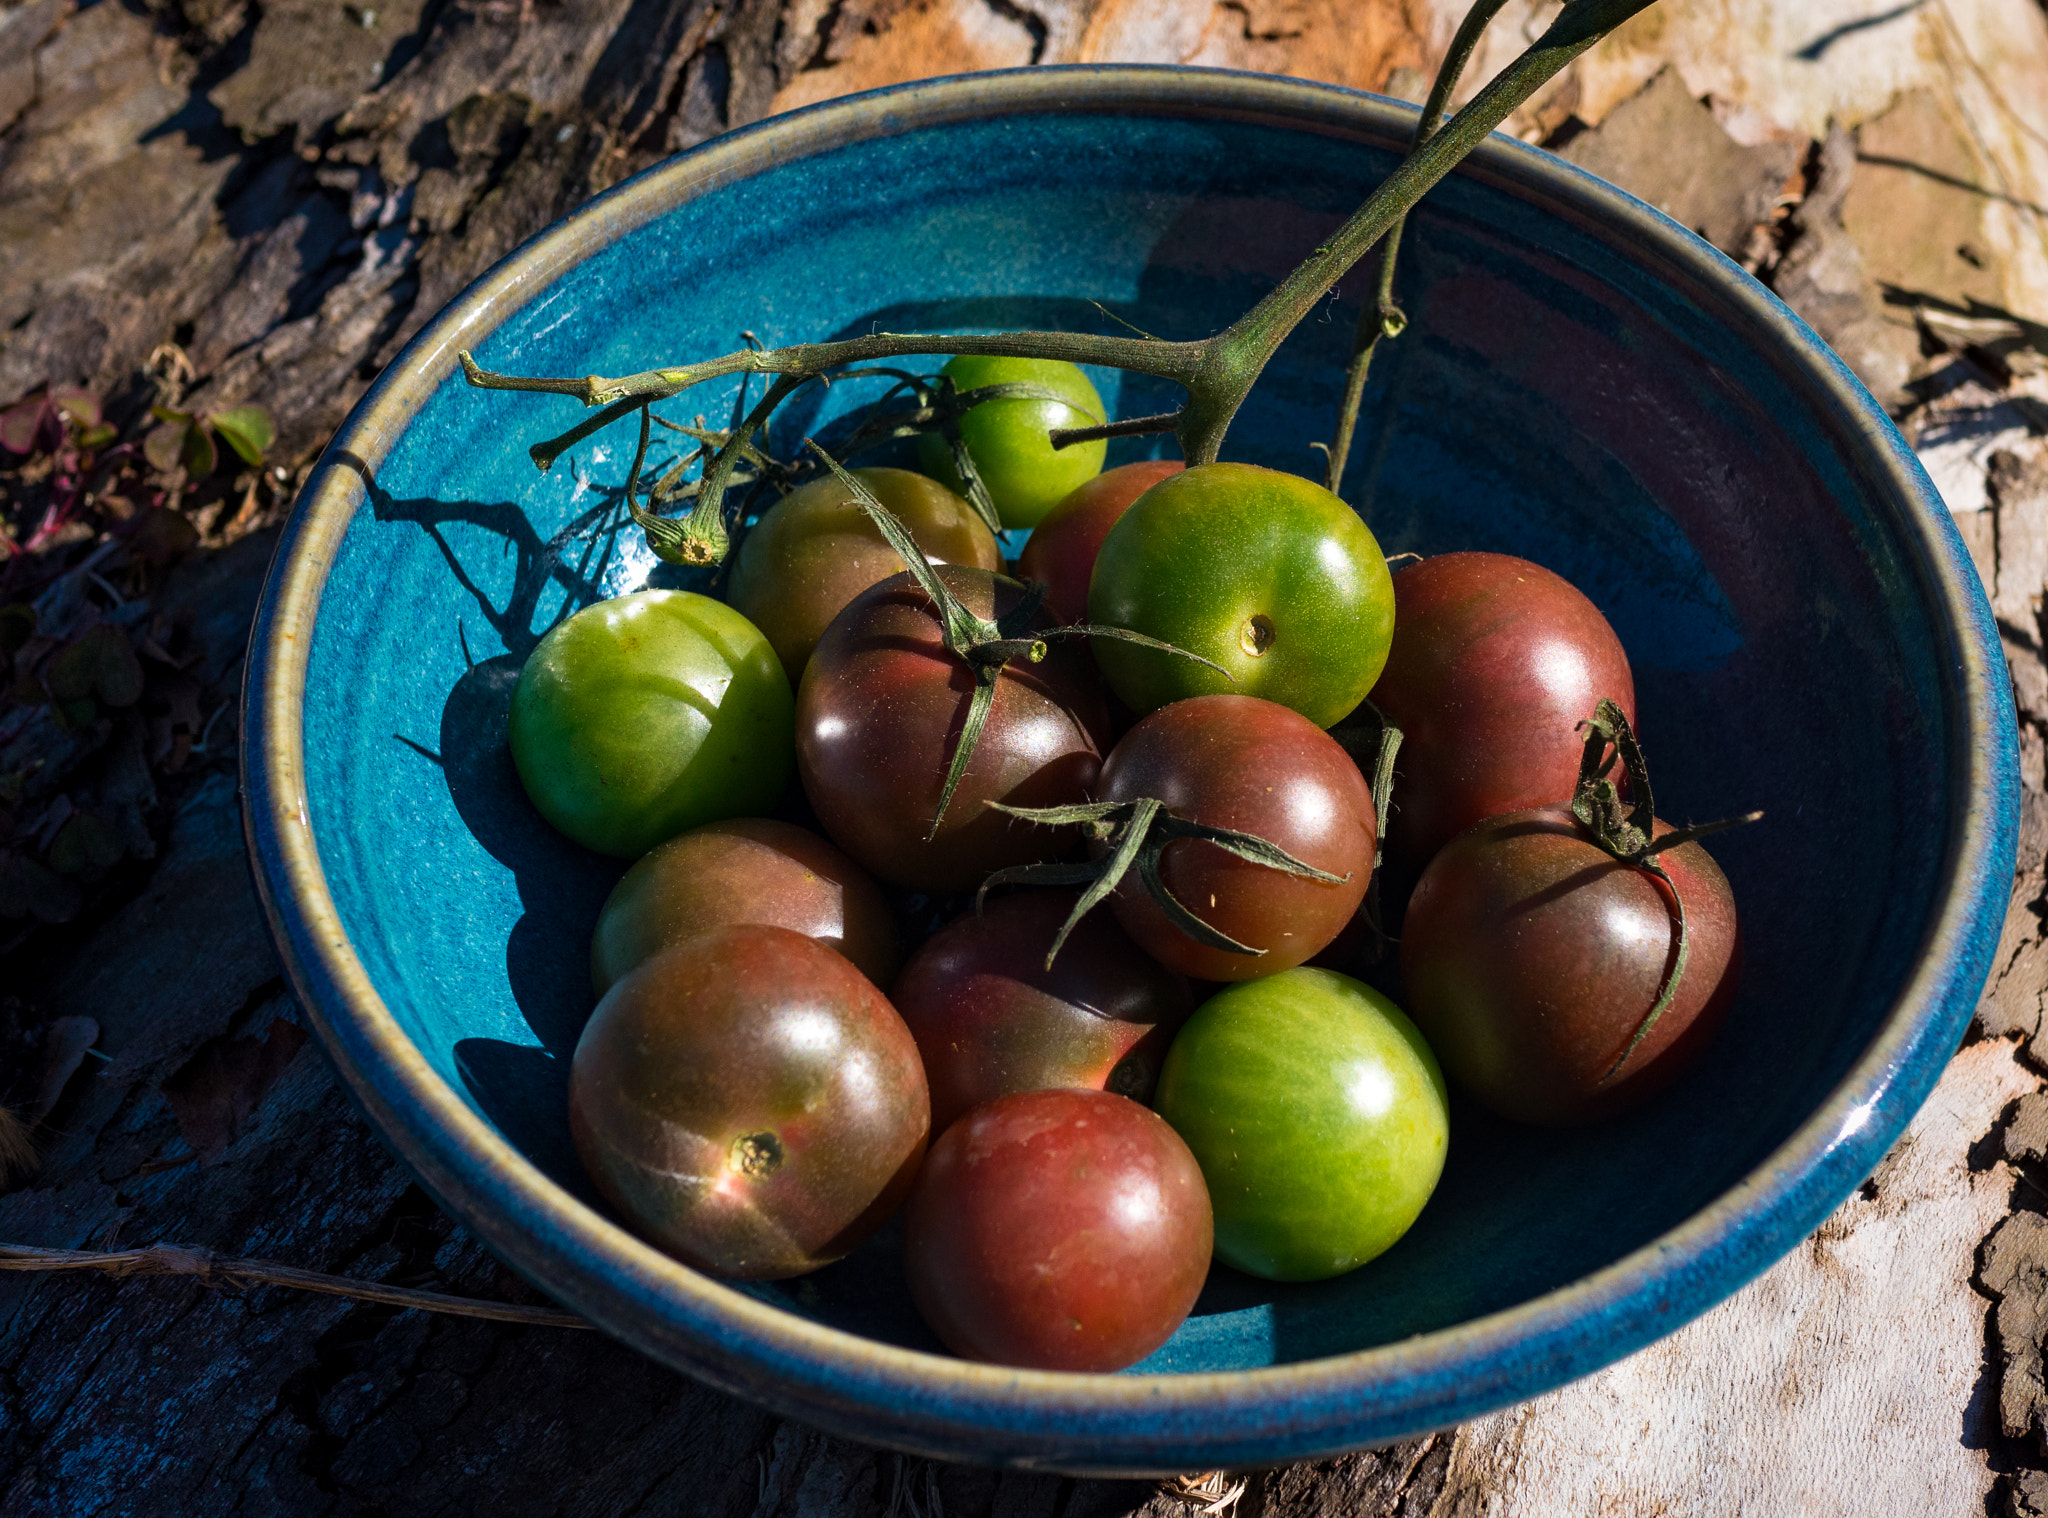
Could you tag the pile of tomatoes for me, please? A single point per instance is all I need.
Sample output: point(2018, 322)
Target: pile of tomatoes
point(1142, 1049)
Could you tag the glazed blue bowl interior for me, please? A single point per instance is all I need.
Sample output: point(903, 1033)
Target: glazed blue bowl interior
point(1569, 389)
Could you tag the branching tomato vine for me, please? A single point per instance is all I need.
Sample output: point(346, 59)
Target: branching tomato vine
point(1217, 373)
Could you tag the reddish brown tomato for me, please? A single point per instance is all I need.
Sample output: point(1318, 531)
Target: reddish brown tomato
point(879, 713)
point(1495, 662)
point(1530, 957)
point(751, 869)
point(750, 1102)
point(1061, 1230)
point(816, 549)
point(1256, 767)
point(1061, 552)
point(990, 1019)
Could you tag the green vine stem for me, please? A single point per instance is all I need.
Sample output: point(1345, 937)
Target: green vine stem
point(1628, 835)
point(1216, 372)
point(1384, 317)
point(1139, 832)
point(1373, 743)
point(983, 646)
point(704, 538)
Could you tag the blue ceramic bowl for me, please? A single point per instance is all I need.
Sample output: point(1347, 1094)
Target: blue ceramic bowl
point(1584, 383)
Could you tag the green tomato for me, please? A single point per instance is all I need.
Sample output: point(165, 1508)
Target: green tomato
point(639, 718)
point(1268, 574)
point(1007, 439)
point(1318, 1116)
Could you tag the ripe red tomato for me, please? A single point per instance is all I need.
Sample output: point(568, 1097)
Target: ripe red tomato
point(879, 713)
point(750, 1102)
point(1494, 664)
point(990, 1018)
point(1530, 956)
point(1255, 767)
point(750, 869)
point(1061, 552)
point(1063, 1230)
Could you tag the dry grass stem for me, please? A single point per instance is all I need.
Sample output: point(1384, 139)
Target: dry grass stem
point(211, 1269)
point(1214, 1494)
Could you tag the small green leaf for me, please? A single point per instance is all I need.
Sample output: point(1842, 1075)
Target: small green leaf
point(164, 446)
point(98, 437)
point(162, 535)
point(85, 846)
point(248, 430)
point(166, 414)
point(198, 452)
point(101, 665)
point(20, 423)
point(82, 406)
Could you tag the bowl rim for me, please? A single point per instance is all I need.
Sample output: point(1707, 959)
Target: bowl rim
point(1126, 1424)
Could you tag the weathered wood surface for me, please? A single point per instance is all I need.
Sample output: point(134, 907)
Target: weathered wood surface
point(286, 190)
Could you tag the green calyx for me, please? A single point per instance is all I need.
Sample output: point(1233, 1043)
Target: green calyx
point(1628, 836)
point(983, 646)
point(1139, 832)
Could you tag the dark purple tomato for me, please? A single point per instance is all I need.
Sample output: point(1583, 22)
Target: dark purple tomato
point(1060, 1230)
point(1061, 552)
point(1530, 957)
point(1495, 663)
point(750, 1102)
point(990, 1019)
point(1255, 767)
point(880, 711)
point(751, 869)
point(816, 549)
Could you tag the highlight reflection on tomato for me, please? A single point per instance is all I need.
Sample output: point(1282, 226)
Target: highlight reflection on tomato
point(746, 870)
point(1268, 574)
point(1530, 957)
point(990, 1019)
point(1254, 767)
point(1062, 1230)
point(880, 710)
point(1495, 662)
point(750, 1102)
point(1319, 1117)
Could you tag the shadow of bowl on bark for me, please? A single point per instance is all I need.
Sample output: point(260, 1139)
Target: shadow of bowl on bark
point(1582, 383)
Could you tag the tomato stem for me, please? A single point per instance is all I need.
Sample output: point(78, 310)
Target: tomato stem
point(1140, 831)
point(1136, 426)
point(1384, 318)
point(984, 647)
point(1630, 838)
point(1237, 356)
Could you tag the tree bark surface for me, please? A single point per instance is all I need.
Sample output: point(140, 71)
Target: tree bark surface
point(264, 199)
